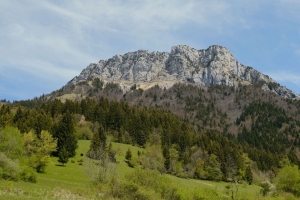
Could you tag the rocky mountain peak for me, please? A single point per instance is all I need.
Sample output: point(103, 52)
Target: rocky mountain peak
point(212, 66)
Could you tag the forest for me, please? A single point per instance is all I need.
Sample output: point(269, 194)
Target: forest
point(267, 138)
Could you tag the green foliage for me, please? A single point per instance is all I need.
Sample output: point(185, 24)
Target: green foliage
point(12, 151)
point(84, 132)
point(128, 154)
point(267, 133)
point(20, 121)
point(212, 169)
point(28, 175)
point(265, 188)
point(249, 175)
point(63, 156)
point(111, 86)
point(101, 171)
point(273, 85)
point(65, 134)
point(98, 83)
point(9, 168)
point(152, 158)
point(129, 190)
point(173, 159)
point(207, 194)
point(177, 139)
point(6, 117)
point(288, 179)
point(150, 180)
point(11, 142)
point(72, 182)
point(40, 121)
point(39, 149)
point(99, 145)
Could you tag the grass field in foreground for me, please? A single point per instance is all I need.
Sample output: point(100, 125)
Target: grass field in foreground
point(72, 182)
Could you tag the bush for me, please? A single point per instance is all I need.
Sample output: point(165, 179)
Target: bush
point(130, 190)
point(36, 162)
point(84, 132)
point(28, 174)
point(288, 179)
point(9, 168)
point(101, 171)
point(154, 181)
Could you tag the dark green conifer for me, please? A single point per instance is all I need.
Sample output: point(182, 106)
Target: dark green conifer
point(248, 175)
point(63, 156)
point(65, 134)
point(128, 154)
point(98, 147)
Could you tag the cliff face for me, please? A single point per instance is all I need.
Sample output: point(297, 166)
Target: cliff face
point(215, 65)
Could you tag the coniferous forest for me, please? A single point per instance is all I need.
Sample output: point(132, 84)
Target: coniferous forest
point(217, 134)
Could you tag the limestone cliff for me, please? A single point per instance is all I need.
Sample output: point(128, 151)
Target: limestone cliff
point(215, 65)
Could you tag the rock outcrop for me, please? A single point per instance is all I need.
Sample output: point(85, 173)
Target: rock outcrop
point(215, 65)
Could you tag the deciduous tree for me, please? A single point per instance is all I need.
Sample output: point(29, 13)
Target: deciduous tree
point(288, 179)
point(38, 149)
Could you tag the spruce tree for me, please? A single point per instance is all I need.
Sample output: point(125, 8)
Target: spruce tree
point(249, 176)
point(128, 154)
point(63, 156)
point(98, 147)
point(65, 134)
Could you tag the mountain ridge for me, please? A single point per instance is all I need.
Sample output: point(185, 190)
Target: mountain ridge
point(184, 64)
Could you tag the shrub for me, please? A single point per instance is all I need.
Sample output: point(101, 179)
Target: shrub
point(129, 190)
point(84, 132)
point(154, 181)
point(28, 174)
point(9, 168)
point(288, 179)
point(101, 171)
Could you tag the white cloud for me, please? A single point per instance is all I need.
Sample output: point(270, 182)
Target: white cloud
point(66, 34)
point(51, 39)
point(65, 12)
point(146, 17)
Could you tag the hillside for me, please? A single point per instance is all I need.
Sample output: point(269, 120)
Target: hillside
point(74, 181)
point(209, 89)
point(197, 113)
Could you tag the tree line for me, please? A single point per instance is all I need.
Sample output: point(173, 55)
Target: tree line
point(183, 151)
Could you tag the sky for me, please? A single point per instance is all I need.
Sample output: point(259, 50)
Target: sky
point(44, 44)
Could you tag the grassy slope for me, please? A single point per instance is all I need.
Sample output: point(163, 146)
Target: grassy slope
point(72, 182)
point(58, 182)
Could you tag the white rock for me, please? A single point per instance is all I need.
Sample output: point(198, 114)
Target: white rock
point(215, 65)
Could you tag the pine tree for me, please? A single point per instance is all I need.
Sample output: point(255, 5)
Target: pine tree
point(98, 147)
point(63, 156)
point(18, 116)
point(249, 176)
point(128, 154)
point(65, 134)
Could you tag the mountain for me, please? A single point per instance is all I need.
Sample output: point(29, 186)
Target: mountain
point(144, 69)
point(208, 91)
point(208, 88)
point(198, 113)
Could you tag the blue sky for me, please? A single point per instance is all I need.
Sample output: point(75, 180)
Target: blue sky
point(44, 44)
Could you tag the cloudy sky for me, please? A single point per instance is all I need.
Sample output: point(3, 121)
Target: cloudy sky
point(44, 44)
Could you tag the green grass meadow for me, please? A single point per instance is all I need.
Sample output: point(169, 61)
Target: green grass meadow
point(72, 181)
